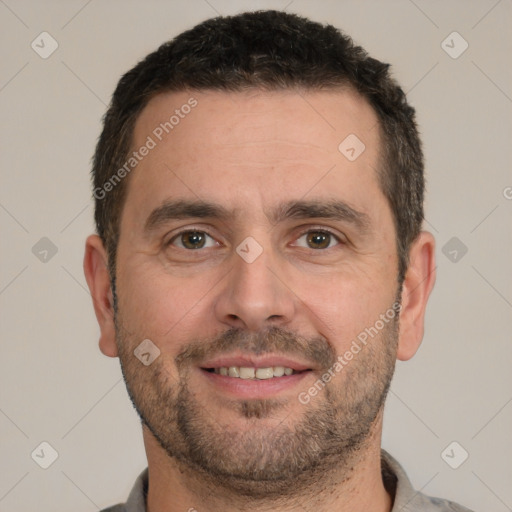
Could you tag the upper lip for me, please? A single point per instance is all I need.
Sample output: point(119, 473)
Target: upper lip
point(252, 361)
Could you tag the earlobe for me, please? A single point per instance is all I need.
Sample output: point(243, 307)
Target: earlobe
point(418, 283)
point(98, 280)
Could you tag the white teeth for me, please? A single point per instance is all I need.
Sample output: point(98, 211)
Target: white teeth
point(264, 373)
point(246, 373)
point(278, 371)
point(234, 371)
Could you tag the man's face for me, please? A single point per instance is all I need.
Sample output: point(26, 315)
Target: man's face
point(275, 282)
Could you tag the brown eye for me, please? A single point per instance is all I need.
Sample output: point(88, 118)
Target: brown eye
point(318, 239)
point(191, 240)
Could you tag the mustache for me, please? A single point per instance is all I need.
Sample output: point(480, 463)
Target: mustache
point(271, 340)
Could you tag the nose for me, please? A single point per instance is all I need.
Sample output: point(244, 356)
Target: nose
point(255, 295)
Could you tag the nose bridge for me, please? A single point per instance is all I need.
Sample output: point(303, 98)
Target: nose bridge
point(254, 295)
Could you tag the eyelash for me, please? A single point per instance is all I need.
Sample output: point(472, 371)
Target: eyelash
point(305, 232)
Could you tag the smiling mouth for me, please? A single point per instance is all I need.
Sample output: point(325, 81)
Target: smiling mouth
point(252, 373)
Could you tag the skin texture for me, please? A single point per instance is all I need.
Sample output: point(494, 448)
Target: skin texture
point(306, 297)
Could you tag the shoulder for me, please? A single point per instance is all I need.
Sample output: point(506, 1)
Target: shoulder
point(429, 504)
point(137, 499)
point(406, 498)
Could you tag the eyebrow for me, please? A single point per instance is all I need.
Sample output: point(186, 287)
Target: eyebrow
point(333, 209)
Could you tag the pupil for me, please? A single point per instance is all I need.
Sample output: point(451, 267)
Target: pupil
point(319, 239)
point(193, 240)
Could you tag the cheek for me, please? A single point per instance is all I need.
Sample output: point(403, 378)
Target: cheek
point(164, 308)
point(346, 303)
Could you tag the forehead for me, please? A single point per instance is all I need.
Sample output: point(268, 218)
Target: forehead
point(309, 117)
point(243, 147)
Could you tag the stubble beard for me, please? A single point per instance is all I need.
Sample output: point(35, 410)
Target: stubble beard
point(267, 459)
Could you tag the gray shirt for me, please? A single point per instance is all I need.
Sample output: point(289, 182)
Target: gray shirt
point(406, 499)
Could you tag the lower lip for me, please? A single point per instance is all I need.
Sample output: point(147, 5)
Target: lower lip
point(255, 388)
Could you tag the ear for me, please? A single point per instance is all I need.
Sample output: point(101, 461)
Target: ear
point(98, 280)
point(418, 283)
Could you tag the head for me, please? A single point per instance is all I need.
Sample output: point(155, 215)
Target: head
point(267, 51)
point(292, 249)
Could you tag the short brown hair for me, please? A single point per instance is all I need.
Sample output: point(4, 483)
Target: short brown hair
point(267, 50)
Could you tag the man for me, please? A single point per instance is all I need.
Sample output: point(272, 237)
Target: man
point(260, 266)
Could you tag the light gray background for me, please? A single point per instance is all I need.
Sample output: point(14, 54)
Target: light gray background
point(55, 384)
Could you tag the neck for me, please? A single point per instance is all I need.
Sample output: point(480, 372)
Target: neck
point(176, 487)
